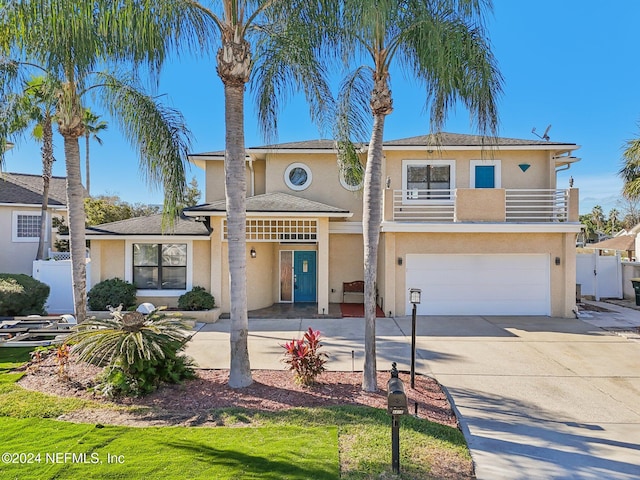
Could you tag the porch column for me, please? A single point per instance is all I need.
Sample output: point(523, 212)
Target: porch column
point(323, 265)
point(391, 270)
point(216, 261)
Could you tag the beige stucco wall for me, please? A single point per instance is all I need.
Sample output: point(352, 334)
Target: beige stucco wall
point(555, 245)
point(18, 257)
point(480, 205)
point(325, 185)
point(346, 252)
point(108, 261)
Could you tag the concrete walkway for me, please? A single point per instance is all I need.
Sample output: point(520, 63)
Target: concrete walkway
point(537, 397)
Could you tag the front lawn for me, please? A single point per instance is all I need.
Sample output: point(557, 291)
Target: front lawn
point(300, 443)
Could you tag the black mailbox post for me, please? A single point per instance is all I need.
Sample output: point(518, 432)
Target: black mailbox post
point(396, 406)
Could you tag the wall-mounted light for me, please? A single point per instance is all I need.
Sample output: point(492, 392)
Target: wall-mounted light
point(399, 260)
point(253, 252)
point(388, 183)
point(557, 260)
point(524, 166)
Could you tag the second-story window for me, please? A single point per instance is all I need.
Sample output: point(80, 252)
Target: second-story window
point(297, 176)
point(428, 180)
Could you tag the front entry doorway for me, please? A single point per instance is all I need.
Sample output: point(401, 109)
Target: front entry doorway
point(297, 276)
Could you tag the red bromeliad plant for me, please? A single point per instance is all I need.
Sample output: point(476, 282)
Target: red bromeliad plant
point(303, 358)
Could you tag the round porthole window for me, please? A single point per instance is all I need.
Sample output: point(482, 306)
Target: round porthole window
point(297, 176)
point(351, 178)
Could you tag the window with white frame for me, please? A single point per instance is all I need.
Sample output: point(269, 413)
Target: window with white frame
point(160, 266)
point(485, 174)
point(26, 226)
point(297, 176)
point(428, 180)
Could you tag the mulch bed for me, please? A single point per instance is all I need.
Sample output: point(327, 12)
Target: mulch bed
point(192, 403)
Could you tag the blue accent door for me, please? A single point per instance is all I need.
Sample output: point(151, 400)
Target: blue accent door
point(485, 176)
point(304, 276)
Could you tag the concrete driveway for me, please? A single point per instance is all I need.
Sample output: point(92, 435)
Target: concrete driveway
point(537, 397)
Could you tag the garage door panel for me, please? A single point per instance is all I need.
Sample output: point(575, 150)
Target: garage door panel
point(480, 284)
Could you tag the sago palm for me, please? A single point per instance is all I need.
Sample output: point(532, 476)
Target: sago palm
point(443, 46)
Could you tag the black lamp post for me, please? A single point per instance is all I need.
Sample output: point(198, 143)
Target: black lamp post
point(414, 298)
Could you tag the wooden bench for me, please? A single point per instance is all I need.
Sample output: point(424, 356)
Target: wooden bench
point(353, 288)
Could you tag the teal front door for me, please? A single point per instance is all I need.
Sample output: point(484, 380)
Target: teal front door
point(304, 276)
point(485, 176)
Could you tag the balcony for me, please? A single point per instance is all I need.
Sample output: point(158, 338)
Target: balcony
point(484, 205)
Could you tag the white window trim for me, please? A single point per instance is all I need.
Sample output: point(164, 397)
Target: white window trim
point(497, 171)
point(346, 186)
point(452, 181)
point(304, 186)
point(14, 226)
point(128, 267)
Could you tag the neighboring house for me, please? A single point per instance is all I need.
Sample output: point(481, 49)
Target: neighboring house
point(20, 217)
point(480, 231)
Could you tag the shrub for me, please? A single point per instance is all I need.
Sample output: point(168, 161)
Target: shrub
point(112, 292)
point(303, 358)
point(22, 295)
point(138, 352)
point(196, 299)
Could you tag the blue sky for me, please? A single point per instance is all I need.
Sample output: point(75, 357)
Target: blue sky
point(571, 64)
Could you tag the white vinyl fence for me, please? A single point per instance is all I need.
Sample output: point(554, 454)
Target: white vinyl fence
point(599, 276)
point(57, 274)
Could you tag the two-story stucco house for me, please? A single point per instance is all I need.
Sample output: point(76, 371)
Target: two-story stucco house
point(21, 215)
point(479, 231)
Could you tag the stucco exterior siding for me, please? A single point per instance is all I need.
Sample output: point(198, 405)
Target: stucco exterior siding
point(325, 185)
point(346, 253)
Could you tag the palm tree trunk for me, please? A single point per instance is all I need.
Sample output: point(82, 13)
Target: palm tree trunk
point(77, 241)
point(371, 218)
point(47, 163)
point(236, 188)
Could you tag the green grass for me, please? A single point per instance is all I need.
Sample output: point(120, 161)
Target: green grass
point(282, 452)
point(302, 443)
point(13, 357)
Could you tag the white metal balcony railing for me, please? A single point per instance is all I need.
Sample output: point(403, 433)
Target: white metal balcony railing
point(544, 205)
point(423, 206)
point(521, 205)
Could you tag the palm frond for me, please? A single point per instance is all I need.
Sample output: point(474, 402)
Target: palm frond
point(630, 171)
point(158, 132)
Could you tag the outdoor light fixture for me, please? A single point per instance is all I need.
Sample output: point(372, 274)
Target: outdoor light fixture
point(253, 252)
point(414, 298)
point(557, 260)
point(414, 295)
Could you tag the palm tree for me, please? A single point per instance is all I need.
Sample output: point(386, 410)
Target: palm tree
point(444, 46)
point(285, 60)
point(35, 104)
point(80, 45)
point(91, 128)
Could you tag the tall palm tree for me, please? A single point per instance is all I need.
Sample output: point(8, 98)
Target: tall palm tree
point(82, 45)
point(92, 126)
point(444, 46)
point(34, 107)
point(285, 48)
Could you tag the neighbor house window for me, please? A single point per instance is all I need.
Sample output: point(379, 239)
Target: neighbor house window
point(428, 180)
point(160, 266)
point(26, 227)
point(297, 176)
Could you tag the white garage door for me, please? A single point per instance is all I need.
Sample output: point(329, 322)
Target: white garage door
point(480, 284)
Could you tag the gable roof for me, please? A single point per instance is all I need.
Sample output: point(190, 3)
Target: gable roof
point(273, 203)
point(149, 226)
point(26, 189)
